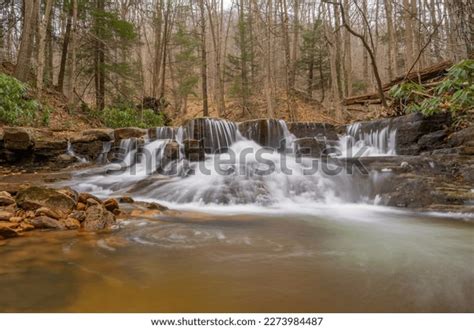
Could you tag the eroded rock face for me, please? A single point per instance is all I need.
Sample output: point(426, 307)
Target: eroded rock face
point(125, 133)
point(33, 198)
point(172, 150)
point(98, 218)
point(17, 138)
point(312, 129)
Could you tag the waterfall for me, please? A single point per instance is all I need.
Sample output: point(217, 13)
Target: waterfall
point(217, 134)
point(70, 151)
point(236, 171)
point(106, 147)
point(267, 132)
point(360, 141)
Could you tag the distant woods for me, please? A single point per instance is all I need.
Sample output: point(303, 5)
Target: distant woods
point(116, 53)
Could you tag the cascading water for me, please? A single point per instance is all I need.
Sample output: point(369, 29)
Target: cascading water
point(246, 173)
point(216, 134)
point(267, 132)
point(375, 142)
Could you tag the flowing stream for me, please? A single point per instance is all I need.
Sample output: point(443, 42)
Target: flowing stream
point(288, 240)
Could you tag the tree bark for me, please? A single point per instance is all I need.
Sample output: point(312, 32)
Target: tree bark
point(23, 64)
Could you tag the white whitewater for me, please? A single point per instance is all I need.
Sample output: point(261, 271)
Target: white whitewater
point(246, 174)
point(357, 142)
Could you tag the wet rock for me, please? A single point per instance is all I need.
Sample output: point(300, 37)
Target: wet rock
point(92, 202)
point(98, 218)
point(125, 133)
point(26, 227)
point(78, 215)
point(16, 138)
point(72, 223)
point(194, 150)
point(34, 197)
point(126, 199)
point(84, 196)
point(6, 199)
point(43, 211)
point(309, 147)
point(171, 150)
point(45, 222)
point(5, 215)
point(312, 129)
point(65, 159)
point(16, 219)
point(70, 193)
point(81, 206)
point(7, 233)
point(111, 204)
point(156, 206)
point(88, 150)
point(461, 137)
point(432, 140)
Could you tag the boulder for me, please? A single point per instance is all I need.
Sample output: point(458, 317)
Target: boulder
point(111, 204)
point(89, 150)
point(126, 199)
point(35, 197)
point(156, 206)
point(78, 215)
point(44, 211)
point(461, 137)
point(432, 140)
point(5, 215)
point(72, 223)
point(126, 133)
point(193, 150)
point(6, 233)
point(47, 222)
point(98, 218)
point(84, 196)
point(18, 139)
point(6, 199)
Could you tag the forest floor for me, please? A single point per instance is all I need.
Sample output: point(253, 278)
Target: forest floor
point(306, 110)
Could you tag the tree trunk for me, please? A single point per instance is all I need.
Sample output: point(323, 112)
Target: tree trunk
point(205, 100)
point(41, 59)
point(23, 64)
point(391, 67)
point(64, 52)
point(99, 61)
point(347, 54)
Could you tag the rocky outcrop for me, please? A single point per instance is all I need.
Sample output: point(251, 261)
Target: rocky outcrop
point(415, 133)
point(62, 209)
point(17, 139)
point(313, 129)
point(131, 132)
